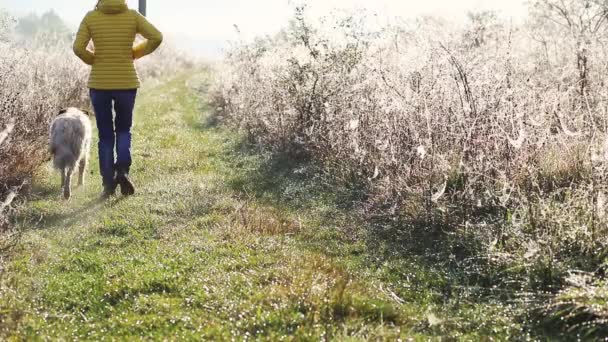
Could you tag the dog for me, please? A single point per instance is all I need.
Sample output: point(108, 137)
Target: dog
point(70, 143)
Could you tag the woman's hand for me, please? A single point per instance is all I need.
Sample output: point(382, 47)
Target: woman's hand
point(138, 47)
point(139, 51)
point(137, 54)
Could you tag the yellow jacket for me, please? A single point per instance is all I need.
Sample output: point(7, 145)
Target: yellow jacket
point(113, 26)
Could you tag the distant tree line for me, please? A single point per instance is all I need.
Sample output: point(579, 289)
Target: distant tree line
point(48, 24)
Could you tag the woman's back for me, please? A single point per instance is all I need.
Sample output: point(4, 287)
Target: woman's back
point(112, 27)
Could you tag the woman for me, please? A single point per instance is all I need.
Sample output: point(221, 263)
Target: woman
point(113, 82)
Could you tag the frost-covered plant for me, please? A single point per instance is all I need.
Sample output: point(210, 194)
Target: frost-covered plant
point(483, 131)
point(34, 86)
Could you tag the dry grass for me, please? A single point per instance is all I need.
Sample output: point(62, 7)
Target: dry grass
point(261, 221)
point(581, 307)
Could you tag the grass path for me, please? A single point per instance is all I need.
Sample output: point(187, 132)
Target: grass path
point(219, 243)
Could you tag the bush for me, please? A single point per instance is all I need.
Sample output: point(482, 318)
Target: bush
point(166, 61)
point(484, 133)
point(34, 86)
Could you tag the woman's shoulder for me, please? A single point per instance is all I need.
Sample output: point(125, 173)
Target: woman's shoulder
point(94, 13)
point(97, 14)
point(134, 12)
point(90, 14)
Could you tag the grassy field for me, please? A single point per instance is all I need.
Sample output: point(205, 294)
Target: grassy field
point(225, 242)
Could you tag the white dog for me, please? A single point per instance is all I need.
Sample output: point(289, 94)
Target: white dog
point(70, 142)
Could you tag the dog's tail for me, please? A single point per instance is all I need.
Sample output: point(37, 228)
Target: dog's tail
point(62, 159)
point(66, 156)
point(66, 146)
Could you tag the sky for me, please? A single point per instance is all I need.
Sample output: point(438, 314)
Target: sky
point(208, 24)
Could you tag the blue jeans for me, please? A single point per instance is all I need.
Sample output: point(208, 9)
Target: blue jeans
point(114, 130)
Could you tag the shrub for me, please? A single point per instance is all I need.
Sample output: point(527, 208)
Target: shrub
point(166, 61)
point(34, 85)
point(482, 132)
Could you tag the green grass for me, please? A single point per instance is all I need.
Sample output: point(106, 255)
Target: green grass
point(225, 242)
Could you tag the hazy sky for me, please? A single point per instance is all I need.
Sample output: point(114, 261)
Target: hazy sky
point(213, 20)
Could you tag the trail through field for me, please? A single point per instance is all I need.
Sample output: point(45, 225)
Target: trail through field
point(220, 242)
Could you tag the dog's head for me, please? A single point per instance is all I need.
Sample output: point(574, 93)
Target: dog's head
point(84, 111)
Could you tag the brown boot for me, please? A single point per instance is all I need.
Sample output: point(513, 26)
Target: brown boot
point(108, 191)
point(126, 186)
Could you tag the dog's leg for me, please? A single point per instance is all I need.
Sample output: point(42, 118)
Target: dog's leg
point(67, 190)
point(82, 168)
point(62, 178)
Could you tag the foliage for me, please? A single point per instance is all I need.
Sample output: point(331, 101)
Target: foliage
point(493, 141)
point(34, 86)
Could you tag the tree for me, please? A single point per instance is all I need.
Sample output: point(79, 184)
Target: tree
point(482, 28)
point(27, 26)
point(6, 26)
point(583, 21)
point(30, 26)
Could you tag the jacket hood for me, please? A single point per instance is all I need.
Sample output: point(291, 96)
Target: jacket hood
point(112, 6)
